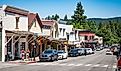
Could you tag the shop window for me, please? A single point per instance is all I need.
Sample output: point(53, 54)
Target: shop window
point(67, 37)
point(52, 33)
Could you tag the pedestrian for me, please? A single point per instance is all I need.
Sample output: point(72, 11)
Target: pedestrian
point(27, 54)
point(22, 54)
point(85, 52)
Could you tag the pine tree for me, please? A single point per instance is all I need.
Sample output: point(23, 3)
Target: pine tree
point(65, 18)
point(78, 19)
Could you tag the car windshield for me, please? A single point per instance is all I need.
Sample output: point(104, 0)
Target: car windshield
point(73, 50)
point(48, 51)
point(60, 52)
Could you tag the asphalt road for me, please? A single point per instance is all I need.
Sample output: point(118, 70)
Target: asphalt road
point(95, 62)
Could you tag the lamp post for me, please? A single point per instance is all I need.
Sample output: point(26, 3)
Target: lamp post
point(34, 49)
point(34, 43)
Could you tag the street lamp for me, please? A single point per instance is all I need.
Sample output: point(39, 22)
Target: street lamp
point(35, 36)
point(34, 49)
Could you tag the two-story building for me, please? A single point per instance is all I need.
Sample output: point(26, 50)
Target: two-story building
point(50, 32)
point(87, 37)
point(35, 26)
point(14, 32)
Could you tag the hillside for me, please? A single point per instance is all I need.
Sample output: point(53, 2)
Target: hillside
point(98, 20)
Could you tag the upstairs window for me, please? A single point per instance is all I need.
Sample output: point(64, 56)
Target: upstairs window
point(60, 29)
point(63, 32)
point(35, 23)
point(17, 20)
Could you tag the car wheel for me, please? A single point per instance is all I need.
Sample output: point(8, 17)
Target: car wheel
point(62, 57)
point(66, 57)
point(51, 59)
point(56, 58)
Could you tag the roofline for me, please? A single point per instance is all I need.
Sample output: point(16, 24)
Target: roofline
point(15, 10)
point(5, 6)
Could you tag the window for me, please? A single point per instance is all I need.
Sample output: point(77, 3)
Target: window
point(63, 32)
point(17, 20)
point(85, 37)
point(90, 37)
point(46, 27)
point(60, 29)
point(75, 34)
point(35, 23)
point(68, 37)
point(52, 33)
point(55, 34)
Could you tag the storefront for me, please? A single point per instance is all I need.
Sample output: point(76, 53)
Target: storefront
point(15, 41)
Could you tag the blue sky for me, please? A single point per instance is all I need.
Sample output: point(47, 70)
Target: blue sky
point(93, 8)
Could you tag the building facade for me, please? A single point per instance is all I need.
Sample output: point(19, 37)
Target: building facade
point(15, 33)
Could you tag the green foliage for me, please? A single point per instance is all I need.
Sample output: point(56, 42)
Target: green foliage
point(65, 18)
point(109, 29)
point(53, 17)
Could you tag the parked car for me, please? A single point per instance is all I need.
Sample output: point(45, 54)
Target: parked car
point(90, 51)
point(62, 54)
point(73, 52)
point(119, 64)
point(101, 47)
point(108, 52)
point(49, 55)
point(80, 51)
point(98, 49)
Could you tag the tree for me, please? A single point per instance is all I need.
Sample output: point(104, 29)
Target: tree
point(100, 26)
point(78, 18)
point(65, 18)
point(53, 17)
point(56, 17)
point(48, 18)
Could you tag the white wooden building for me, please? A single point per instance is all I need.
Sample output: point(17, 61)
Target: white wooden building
point(15, 35)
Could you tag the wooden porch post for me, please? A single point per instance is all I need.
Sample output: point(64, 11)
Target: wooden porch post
point(13, 47)
point(26, 46)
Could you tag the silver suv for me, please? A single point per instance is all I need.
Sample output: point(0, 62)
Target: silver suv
point(49, 55)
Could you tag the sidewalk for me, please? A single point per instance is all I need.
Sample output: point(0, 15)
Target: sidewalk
point(25, 61)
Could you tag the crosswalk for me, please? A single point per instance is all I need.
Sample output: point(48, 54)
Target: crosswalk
point(75, 65)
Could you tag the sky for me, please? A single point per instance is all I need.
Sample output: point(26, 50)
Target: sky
point(93, 8)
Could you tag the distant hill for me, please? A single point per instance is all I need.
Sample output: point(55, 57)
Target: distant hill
point(98, 20)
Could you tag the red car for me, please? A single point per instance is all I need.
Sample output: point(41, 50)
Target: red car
point(119, 64)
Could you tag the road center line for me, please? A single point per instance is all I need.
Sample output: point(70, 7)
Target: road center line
point(88, 65)
point(105, 66)
point(70, 65)
point(96, 65)
point(79, 65)
point(115, 66)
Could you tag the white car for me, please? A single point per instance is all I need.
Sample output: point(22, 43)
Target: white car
point(89, 51)
point(108, 52)
point(80, 51)
point(62, 54)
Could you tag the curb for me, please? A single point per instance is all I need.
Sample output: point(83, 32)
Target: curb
point(23, 62)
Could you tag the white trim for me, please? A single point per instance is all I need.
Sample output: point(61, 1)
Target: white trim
point(3, 45)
